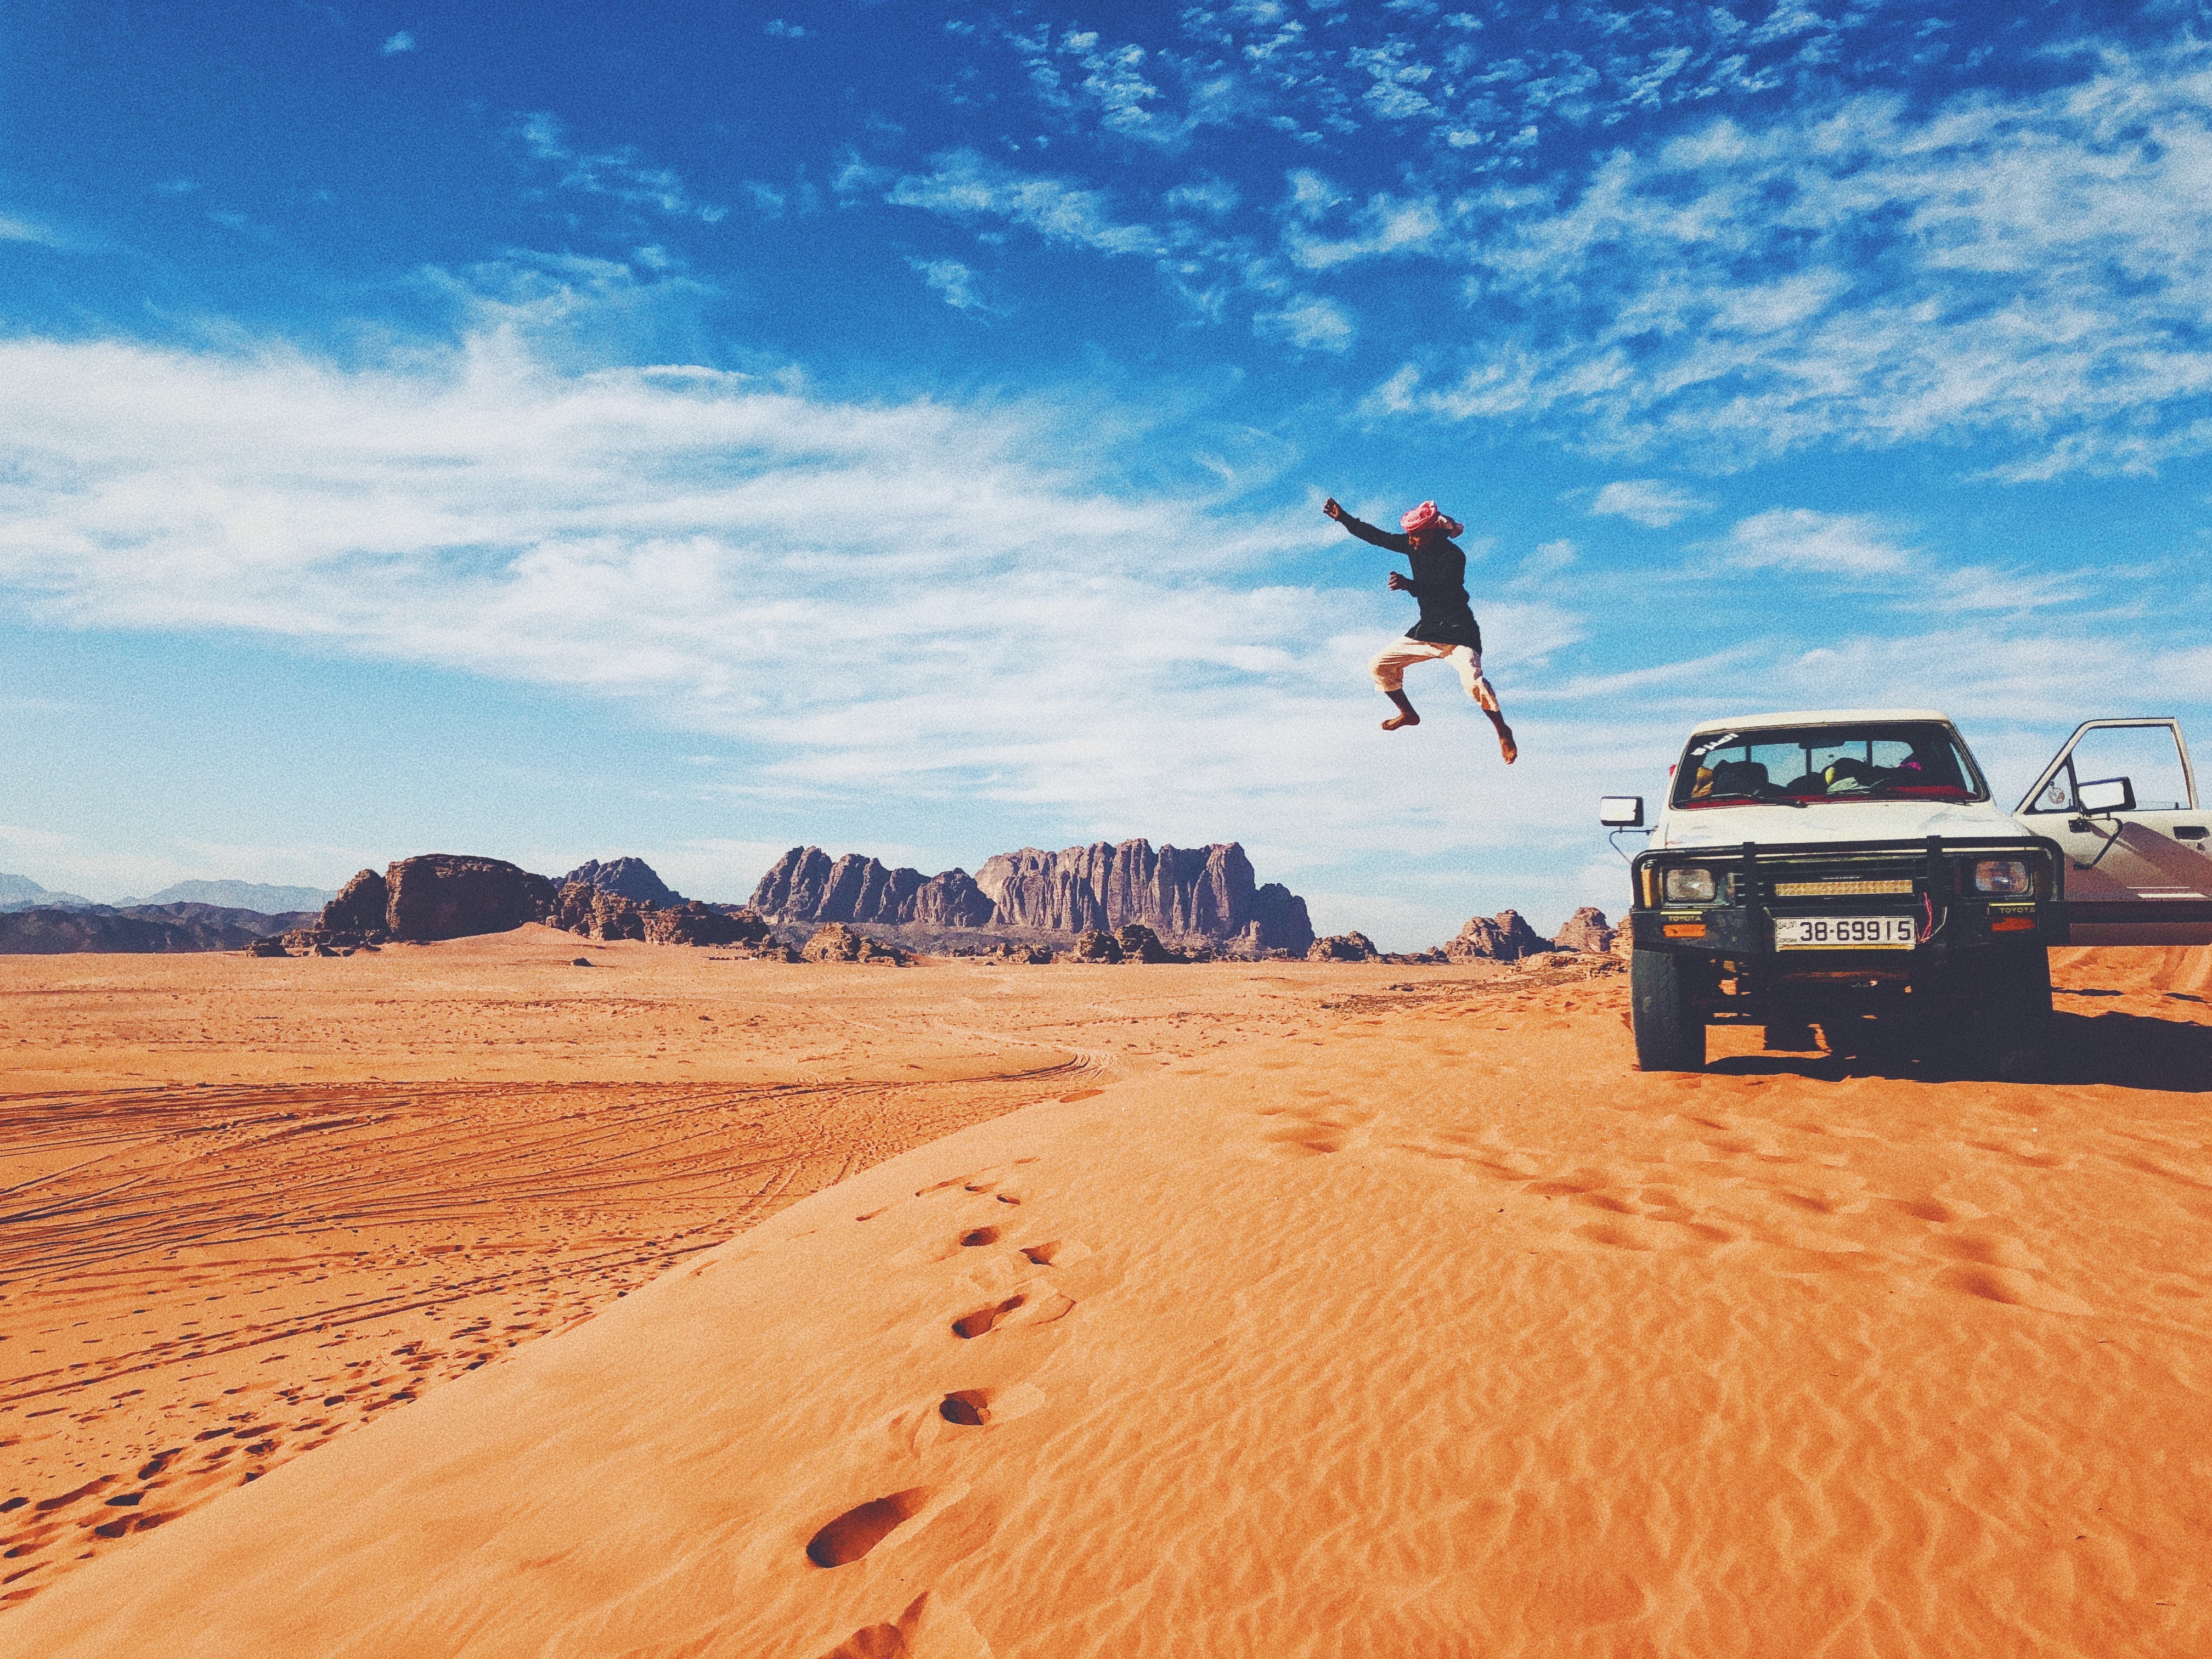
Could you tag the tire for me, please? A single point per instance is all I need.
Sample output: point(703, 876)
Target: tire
point(1669, 1024)
point(2013, 1012)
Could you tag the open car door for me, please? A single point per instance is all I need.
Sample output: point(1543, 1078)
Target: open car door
point(2138, 858)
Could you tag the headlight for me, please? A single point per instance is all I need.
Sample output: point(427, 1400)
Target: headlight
point(1690, 886)
point(2009, 875)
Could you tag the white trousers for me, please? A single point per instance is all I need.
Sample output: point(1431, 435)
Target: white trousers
point(1392, 661)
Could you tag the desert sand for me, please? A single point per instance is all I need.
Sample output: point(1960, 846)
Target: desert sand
point(963, 1309)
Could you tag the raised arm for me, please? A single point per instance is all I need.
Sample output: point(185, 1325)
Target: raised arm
point(1365, 532)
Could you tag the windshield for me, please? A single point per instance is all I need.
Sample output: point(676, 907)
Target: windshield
point(1892, 760)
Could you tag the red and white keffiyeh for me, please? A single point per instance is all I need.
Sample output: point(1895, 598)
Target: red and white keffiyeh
point(1425, 517)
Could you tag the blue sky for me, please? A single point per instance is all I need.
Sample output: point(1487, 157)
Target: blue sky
point(558, 431)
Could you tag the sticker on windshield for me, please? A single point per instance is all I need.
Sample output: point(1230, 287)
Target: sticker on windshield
point(1700, 751)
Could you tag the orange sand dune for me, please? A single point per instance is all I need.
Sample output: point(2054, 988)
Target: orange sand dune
point(1418, 1324)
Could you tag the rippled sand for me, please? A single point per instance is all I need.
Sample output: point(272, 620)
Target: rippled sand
point(1321, 1318)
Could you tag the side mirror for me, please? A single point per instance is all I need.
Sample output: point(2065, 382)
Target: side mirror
point(1627, 811)
point(2105, 796)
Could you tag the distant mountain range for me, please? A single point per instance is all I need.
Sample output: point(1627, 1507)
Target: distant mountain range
point(21, 893)
point(46, 930)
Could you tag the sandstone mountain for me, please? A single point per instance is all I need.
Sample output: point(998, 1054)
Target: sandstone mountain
point(1191, 895)
point(805, 885)
point(632, 878)
point(432, 895)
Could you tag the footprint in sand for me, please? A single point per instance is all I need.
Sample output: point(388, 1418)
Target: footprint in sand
point(1032, 1309)
point(930, 1628)
point(849, 1537)
point(975, 1408)
point(971, 1326)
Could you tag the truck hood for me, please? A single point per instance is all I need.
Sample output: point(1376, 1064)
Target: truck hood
point(1871, 820)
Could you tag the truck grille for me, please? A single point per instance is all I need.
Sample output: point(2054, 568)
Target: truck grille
point(1837, 888)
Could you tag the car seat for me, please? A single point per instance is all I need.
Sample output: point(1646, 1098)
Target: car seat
point(1740, 777)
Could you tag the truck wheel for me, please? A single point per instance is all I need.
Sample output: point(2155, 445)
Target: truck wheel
point(1671, 1025)
point(2014, 1012)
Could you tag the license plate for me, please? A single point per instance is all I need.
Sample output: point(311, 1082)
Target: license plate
point(1844, 932)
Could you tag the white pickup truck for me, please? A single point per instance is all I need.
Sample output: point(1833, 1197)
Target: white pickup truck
point(1847, 868)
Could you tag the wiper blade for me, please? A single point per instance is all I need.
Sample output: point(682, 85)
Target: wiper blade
point(1750, 800)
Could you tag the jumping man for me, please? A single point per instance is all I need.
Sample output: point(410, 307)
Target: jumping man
point(1447, 629)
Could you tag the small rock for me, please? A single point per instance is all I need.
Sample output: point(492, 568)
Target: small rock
point(580, 961)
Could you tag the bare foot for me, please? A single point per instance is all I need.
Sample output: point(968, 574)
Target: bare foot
point(1409, 718)
point(1506, 746)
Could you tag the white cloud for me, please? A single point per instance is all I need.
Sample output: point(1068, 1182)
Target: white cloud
point(403, 41)
point(782, 31)
point(966, 185)
point(1311, 322)
point(1797, 539)
point(1207, 195)
point(2034, 269)
point(621, 173)
point(1387, 225)
point(951, 281)
point(687, 540)
point(16, 229)
point(1648, 502)
point(1548, 559)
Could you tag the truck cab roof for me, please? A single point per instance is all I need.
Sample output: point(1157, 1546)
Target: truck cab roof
point(1817, 717)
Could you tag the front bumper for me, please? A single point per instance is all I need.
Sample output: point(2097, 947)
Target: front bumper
point(1948, 921)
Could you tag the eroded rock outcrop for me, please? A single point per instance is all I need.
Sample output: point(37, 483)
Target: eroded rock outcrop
point(432, 895)
point(359, 909)
point(1343, 947)
point(436, 896)
point(691, 922)
point(1586, 930)
point(806, 885)
point(838, 943)
point(1505, 936)
point(1097, 945)
point(632, 878)
point(1202, 893)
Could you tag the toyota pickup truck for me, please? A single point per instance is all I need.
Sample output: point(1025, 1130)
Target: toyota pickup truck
point(1848, 868)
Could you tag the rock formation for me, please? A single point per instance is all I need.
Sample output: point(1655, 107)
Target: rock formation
point(805, 885)
point(1586, 930)
point(838, 943)
point(431, 896)
point(1205, 893)
point(632, 878)
point(1197, 895)
point(451, 896)
point(1140, 944)
point(1505, 937)
point(1096, 946)
point(1343, 947)
point(690, 922)
point(359, 908)
point(597, 913)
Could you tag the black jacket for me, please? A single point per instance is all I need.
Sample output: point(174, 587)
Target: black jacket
point(1439, 583)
